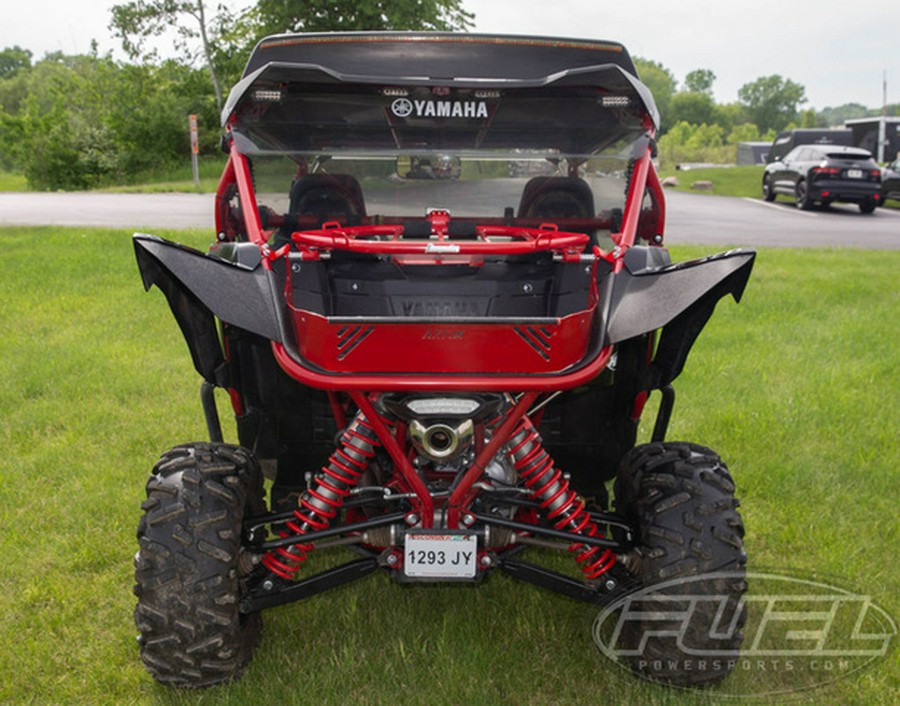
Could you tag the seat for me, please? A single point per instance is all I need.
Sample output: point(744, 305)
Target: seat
point(328, 197)
point(556, 197)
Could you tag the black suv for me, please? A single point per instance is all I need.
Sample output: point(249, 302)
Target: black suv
point(821, 174)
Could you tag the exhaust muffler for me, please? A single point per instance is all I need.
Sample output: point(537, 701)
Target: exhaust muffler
point(441, 442)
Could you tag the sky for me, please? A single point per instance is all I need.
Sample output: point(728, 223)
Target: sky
point(841, 52)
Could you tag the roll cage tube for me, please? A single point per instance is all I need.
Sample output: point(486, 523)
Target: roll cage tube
point(237, 171)
point(224, 192)
point(637, 187)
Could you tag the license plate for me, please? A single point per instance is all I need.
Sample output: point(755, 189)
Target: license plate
point(854, 173)
point(438, 555)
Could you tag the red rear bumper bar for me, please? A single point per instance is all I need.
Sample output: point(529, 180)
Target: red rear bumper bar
point(397, 382)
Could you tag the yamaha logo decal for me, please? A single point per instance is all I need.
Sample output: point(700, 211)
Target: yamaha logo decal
point(404, 108)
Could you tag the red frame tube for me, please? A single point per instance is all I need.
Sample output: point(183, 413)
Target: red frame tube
point(401, 462)
point(461, 494)
point(530, 240)
point(625, 239)
point(239, 165)
point(659, 198)
point(226, 180)
point(433, 383)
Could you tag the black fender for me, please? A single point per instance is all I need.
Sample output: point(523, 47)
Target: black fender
point(201, 288)
point(677, 298)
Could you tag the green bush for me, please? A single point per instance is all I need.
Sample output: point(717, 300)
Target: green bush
point(695, 143)
point(85, 121)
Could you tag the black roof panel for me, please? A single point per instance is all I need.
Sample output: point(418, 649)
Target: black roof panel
point(437, 55)
point(301, 67)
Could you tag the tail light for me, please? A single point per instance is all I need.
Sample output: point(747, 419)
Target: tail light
point(826, 170)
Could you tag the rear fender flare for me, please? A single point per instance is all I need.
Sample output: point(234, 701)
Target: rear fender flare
point(200, 288)
point(679, 299)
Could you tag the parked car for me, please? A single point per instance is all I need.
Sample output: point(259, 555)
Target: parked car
point(890, 181)
point(822, 174)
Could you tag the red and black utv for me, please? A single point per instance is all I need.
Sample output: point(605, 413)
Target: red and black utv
point(438, 372)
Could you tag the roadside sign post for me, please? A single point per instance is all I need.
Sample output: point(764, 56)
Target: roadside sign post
point(195, 149)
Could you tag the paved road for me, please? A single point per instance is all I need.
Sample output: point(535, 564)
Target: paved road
point(129, 211)
point(720, 220)
point(692, 218)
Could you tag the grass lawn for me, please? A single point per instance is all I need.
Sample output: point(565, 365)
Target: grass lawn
point(178, 179)
point(743, 181)
point(11, 181)
point(795, 387)
point(168, 179)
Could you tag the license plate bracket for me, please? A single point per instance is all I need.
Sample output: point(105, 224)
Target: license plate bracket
point(440, 554)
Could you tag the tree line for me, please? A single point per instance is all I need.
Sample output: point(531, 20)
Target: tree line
point(694, 128)
point(78, 122)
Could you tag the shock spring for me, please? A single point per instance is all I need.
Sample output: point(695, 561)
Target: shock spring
point(561, 504)
point(320, 503)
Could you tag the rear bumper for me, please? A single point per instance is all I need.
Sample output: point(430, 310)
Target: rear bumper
point(847, 191)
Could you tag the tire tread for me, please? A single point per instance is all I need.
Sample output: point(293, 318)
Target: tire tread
point(681, 497)
point(192, 633)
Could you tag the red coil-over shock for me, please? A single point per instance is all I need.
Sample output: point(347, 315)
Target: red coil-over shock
point(322, 501)
point(561, 504)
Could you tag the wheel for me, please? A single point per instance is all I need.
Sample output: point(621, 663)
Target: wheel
point(768, 191)
point(189, 567)
point(680, 497)
point(867, 206)
point(802, 196)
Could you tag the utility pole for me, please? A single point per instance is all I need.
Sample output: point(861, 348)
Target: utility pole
point(195, 149)
point(882, 124)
